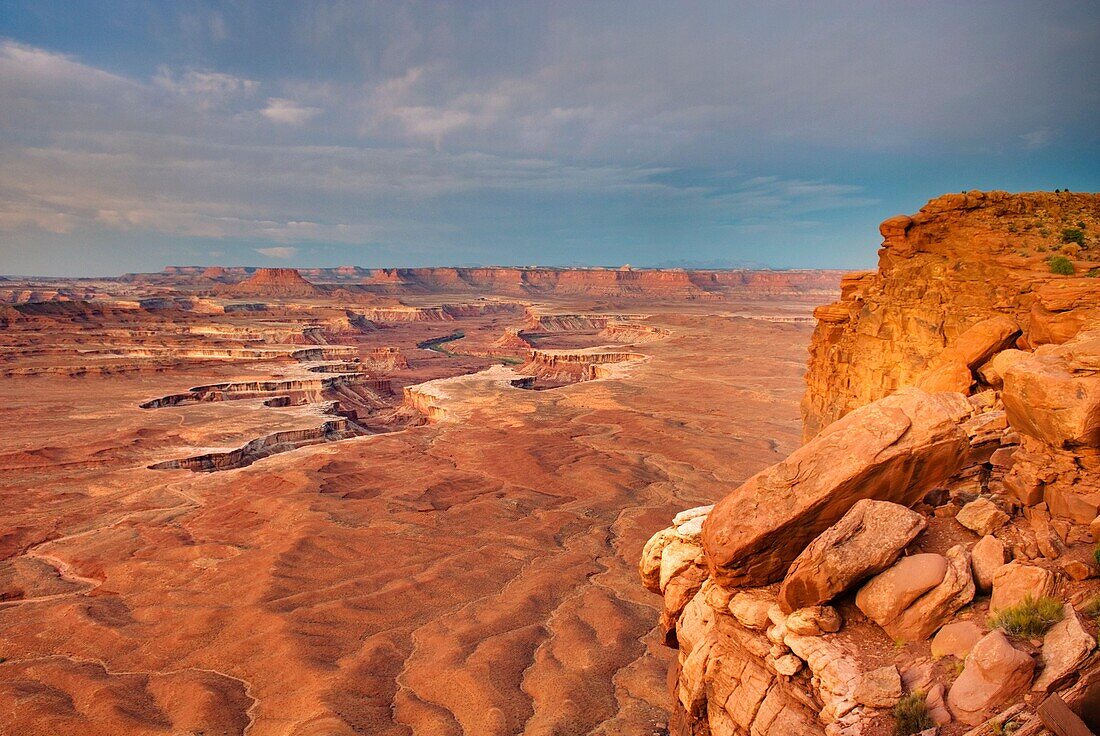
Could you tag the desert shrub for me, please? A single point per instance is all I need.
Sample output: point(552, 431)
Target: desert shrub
point(1011, 227)
point(1096, 551)
point(1029, 618)
point(1093, 273)
point(1081, 224)
point(1061, 265)
point(911, 715)
point(1044, 232)
point(1073, 235)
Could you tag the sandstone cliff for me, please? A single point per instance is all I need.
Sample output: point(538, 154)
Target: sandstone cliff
point(928, 561)
point(962, 259)
point(277, 282)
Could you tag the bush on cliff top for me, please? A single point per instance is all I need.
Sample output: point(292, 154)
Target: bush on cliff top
point(1029, 618)
point(1073, 235)
point(1061, 265)
point(911, 715)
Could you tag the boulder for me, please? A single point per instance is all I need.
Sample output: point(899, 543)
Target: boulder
point(982, 516)
point(865, 541)
point(994, 672)
point(895, 449)
point(1016, 581)
point(956, 639)
point(899, 601)
point(879, 688)
point(1054, 394)
point(952, 375)
point(980, 342)
point(993, 372)
point(987, 557)
point(813, 621)
point(1065, 647)
point(887, 595)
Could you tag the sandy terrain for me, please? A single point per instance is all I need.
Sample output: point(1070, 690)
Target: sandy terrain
point(451, 553)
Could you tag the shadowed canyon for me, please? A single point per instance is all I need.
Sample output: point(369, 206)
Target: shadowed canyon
point(417, 501)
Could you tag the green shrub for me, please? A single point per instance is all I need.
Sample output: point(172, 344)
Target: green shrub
point(1061, 266)
point(1096, 551)
point(1073, 235)
point(911, 715)
point(1081, 224)
point(1093, 273)
point(1029, 618)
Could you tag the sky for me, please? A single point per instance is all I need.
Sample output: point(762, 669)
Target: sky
point(135, 135)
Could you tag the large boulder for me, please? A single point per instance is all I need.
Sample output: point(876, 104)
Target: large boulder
point(864, 542)
point(895, 449)
point(956, 639)
point(1054, 394)
point(995, 672)
point(1065, 647)
point(1016, 581)
point(906, 602)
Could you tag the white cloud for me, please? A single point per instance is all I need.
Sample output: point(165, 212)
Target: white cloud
point(288, 112)
point(281, 251)
point(1037, 139)
point(206, 89)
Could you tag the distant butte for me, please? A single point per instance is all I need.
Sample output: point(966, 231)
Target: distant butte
point(277, 282)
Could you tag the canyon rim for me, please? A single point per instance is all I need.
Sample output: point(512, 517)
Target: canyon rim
point(577, 368)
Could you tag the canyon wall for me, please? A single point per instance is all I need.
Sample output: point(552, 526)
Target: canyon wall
point(929, 560)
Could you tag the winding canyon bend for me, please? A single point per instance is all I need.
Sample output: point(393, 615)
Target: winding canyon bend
point(394, 502)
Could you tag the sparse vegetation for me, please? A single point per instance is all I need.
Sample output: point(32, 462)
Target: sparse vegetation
point(1093, 273)
point(1073, 235)
point(1096, 550)
point(1029, 618)
point(911, 715)
point(1044, 232)
point(1061, 265)
point(1003, 729)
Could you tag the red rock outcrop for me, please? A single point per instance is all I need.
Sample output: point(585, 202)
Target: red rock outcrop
point(768, 599)
point(964, 259)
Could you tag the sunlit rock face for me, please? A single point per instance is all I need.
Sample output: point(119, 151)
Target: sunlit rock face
point(963, 260)
point(933, 538)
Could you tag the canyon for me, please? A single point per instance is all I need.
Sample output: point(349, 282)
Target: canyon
point(352, 501)
point(418, 501)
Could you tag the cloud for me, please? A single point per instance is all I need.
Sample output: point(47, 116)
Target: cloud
point(207, 89)
point(1037, 139)
point(288, 112)
point(282, 251)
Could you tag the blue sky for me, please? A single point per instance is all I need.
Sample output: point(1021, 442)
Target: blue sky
point(136, 135)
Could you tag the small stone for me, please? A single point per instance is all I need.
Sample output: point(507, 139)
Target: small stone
point(1077, 570)
point(956, 639)
point(750, 608)
point(814, 621)
point(937, 706)
point(982, 516)
point(879, 688)
point(788, 665)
